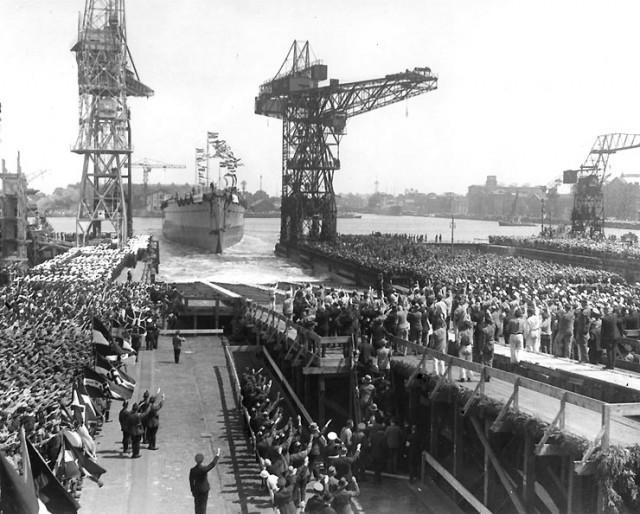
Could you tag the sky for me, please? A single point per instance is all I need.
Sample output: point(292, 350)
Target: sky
point(524, 88)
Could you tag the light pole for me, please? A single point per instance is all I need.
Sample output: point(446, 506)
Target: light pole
point(542, 216)
point(453, 225)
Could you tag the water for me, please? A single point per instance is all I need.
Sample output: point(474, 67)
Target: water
point(253, 261)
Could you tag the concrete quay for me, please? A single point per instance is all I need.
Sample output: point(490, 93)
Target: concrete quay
point(199, 415)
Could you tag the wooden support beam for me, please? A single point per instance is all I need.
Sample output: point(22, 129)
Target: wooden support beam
point(550, 428)
point(479, 389)
point(486, 486)
point(581, 467)
point(446, 375)
point(460, 488)
point(570, 489)
point(285, 384)
point(549, 450)
point(529, 475)
point(458, 441)
point(502, 475)
point(433, 430)
point(415, 372)
point(321, 399)
point(497, 425)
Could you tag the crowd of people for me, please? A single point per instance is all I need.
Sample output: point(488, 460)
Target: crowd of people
point(308, 468)
point(604, 248)
point(463, 302)
point(46, 336)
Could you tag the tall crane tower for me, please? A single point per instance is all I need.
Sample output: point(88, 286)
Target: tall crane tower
point(314, 120)
point(587, 217)
point(149, 165)
point(106, 77)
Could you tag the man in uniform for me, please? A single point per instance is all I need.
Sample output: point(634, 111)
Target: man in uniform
point(177, 346)
point(199, 483)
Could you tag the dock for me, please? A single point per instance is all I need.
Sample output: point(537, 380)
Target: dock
point(539, 441)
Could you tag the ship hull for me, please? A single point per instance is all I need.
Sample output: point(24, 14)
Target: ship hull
point(213, 224)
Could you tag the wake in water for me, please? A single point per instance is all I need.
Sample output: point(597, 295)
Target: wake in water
point(252, 262)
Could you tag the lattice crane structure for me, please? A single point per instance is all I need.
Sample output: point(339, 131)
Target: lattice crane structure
point(106, 77)
point(314, 120)
point(148, 165)
point(587, 217)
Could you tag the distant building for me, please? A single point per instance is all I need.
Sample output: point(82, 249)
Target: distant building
point(622, 198)
point(263, 205)
point(496, 201)
point(154, 200)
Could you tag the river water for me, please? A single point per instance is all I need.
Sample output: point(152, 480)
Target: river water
point(253, 261)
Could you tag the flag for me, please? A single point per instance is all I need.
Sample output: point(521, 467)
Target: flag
point(15, 494)
point(81, 397)
point(94, 383)
point(103, 341)
point(104, 367)
point(26, 463)
point(98, 386)
point(100, 333)
point(85, 463)
point(212, 136)
point(49, 490)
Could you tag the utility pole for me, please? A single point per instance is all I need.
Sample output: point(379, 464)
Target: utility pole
point(453, 225)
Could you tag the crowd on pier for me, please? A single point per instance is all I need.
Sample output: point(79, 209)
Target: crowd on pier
point(549, 307)
point(47, 327)
point(331, 460)
point(604, 248)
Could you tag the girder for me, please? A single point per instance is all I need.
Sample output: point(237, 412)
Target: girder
point(314, 121)
point(105, 80)
point(587, 217)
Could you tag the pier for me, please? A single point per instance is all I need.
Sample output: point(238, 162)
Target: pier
point(532, 444)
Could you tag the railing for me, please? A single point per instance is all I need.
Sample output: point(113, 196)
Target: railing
point(298, 341)
point(305, 341)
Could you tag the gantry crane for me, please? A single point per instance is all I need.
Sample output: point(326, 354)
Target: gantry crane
point(587, 217)
point(314, 121)
point(106, 77)
point(148, 165)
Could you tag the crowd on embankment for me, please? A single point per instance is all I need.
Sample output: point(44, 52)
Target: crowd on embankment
point(603, 249)
point(48, 317)
point(557, 308)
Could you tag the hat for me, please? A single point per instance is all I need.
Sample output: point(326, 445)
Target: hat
point(373, 407)
point(367, 378)
point(362, 426)
point(264, 474)
point(332, 436)
point(313, 427)
point(331, 470)
point(343, 482)
point(318, 487)
point(199, 458)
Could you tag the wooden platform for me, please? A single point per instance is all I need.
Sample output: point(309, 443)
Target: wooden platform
point(594, 420)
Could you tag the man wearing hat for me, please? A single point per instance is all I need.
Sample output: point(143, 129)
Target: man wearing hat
point(316, 503)
point(366, 390)
point(342, 498)
point(318, 444)
point(199, 484)
point(360, 440)
point(610, 332)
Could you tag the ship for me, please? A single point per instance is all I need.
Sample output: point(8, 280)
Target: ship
point(210, 218)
